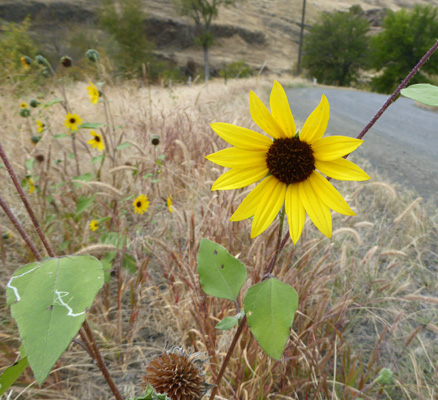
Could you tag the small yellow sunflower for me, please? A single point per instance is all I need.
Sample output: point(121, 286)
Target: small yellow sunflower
point(40, 126)
point(25, 62)
point(141, 204)
point(288, 166)
point(72, 121)
point(23, 105)
point(169, 204)
point(31, 185)
point(94, 225)
point(93, 92)
point(97, 141)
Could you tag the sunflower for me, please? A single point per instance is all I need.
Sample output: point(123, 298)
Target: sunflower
point(169, 204)
point(23, 104)
point(93, 92)
point(97, 141)
point(288, 166)
point(141, 204)
point(26, 62)
point(72, 121)
point(94, 225)
point(40, 126)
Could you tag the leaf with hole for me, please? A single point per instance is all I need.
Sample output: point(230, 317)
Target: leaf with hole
point(221, 274)
point(270, 307)
point(49, 301)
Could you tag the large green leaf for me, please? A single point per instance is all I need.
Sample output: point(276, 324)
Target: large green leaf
point(423, 93)
point(84, 202)
point(11, 374)
point(49, 300)
point(270, 307)
point(221, 274)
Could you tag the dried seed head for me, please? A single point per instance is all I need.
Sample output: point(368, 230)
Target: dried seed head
point(177, 374)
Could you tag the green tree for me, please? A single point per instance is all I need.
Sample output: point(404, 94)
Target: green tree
point(336, 47)
point(408, 35)
point(202, 12)
point(124, 20)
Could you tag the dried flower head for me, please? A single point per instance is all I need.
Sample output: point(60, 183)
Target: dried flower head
point(155, 140)
point(66, 61)
point(177, 374)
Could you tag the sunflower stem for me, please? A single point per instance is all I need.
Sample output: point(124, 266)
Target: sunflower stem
point(73, 141)
point(393, 97)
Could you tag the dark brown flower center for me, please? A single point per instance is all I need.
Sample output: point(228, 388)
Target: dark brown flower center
point(290, 160)
point(97, 138)
point(138, 204)
point(72, 120)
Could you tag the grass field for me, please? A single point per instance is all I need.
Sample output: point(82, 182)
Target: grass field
point(368, 296)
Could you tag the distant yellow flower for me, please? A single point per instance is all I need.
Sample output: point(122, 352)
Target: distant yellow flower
point(141, 204)
point(25, 62)
point(169, 204)
point(97, 141)
point(72, 121)
point(40, 126)
point(93, 92)
point(94, 225)
point(23, 104)
point(31, 185)
point(287, 165)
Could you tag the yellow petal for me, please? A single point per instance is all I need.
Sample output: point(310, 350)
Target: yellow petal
point(316, 123)
point(342, 169)
point(281, 111)
point(269, 206)
point(240, 177)
point(318, 212)
point(238, 158)
point(241, 137)
point(333, 147)
point(329, 195)
point(263, 118)
point(296, 215)
point(250, 203)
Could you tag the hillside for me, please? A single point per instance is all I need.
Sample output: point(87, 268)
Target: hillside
point(259, 32)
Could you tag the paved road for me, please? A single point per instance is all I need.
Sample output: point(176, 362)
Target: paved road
point(402, 144)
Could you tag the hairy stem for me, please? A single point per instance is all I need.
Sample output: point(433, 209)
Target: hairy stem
point(100, 362)
point(23, 197)
point(393, 97)
point(20, 229)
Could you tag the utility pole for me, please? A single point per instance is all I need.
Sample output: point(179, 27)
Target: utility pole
point(300, 48)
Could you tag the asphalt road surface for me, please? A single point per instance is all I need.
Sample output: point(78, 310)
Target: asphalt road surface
point(402, 144)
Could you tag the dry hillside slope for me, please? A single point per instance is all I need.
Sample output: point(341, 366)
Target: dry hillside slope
point(260, 32)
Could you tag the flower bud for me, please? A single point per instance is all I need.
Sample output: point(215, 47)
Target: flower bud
point(155, 140)
point(385, 377)
point(35, 139)
point(66, 61)
point(92, 55)
point(24, 112)
point(34, 103)
point(41, 60)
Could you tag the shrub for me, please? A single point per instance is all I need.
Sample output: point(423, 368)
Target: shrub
point(337, 47)
point(407, 36)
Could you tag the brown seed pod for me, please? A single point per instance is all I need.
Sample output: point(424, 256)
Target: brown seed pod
point(177, 374)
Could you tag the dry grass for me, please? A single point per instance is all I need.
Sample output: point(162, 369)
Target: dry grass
point(367, 296)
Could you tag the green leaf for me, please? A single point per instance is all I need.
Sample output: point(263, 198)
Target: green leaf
point(84, 202)
point(129, 263)
point(11, 374)
point(114, 238)
point(270, 307)
point(49, 301)
point(50, 103)
point(221, 274)
point(71, 155)
point(64, 245)
point(150, 394)
point(29, 163)
point(423, 93)
point(91, 125)
point(84, 177)
point(60, 136)
point(227, 323)
point(96, 159)
point(123, 146)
